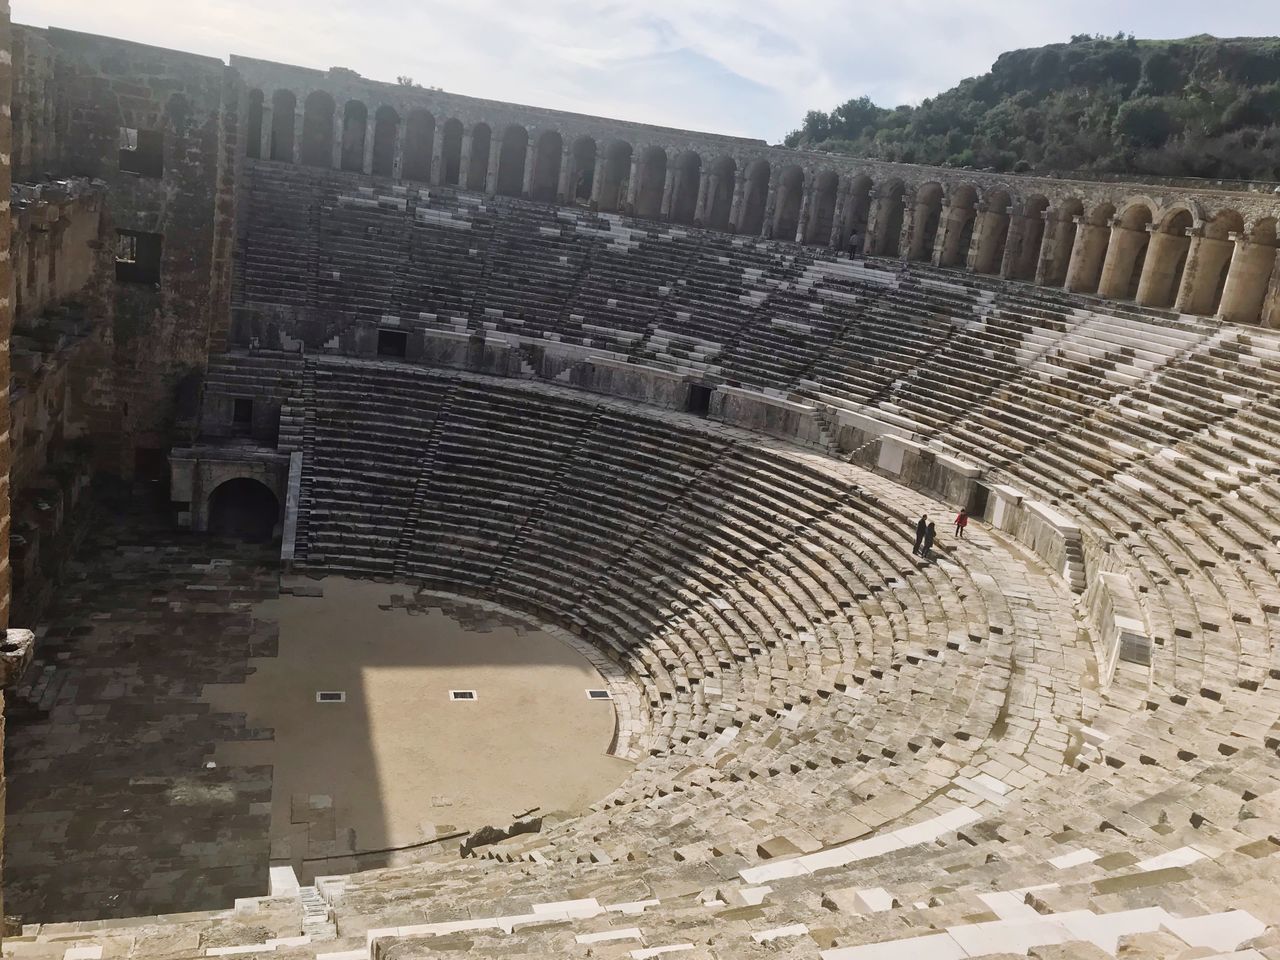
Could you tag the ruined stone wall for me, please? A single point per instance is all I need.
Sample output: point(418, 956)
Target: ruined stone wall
point(35, 138)
point(105, 91)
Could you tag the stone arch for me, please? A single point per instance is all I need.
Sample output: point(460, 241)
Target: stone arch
point(317, 129)
point(355, 121)
point(615, 177)
point(582, 175)
point(890, 208)
point(478, 165)
point(786, 217)
point(1060, 242)
point(995, 232)
point(419, 143)
point(1029, 237)
point(684, 190)
point(822, 214)
point(511, 157)
point(653, 180)
point(1166, 261)
point(724, 170)
point(1127, 251)
point(1252, 275)
point(755, 197)
point(253, 125)
point(451, 152)
point(244, 508)
point(284, 108)
point(547, 156)
point(386, 129)
point(954, 239)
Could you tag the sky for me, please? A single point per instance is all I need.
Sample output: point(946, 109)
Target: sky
point(745, 67)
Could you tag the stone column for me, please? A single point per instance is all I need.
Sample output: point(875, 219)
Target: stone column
point(6, 329)
point(802, 221)
point(299, 108)
point(633, 183)
point(1253, 271)
point(908, 224)
point(567, 188)
point(1014, 247)
point(530, 163)
point(1084, 269)
point(704, 196)
point(739, 192)
point(464, 158)
point(436, 175)
point(875, 216)
point(397, 151)
point(1055, 231)
point(668, 192)
point(1160, 270)
point(491, 176)
point(597, 181)
point(339, 129)
point(370, 131)
point(947, 250)
point(268, 124)
point(1201, 261)
point(1121, 250)
point(840, 218)
point(1270, 317)
point(771, 203)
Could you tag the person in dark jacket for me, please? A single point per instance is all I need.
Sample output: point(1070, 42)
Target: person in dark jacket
point(962, 521)
point(929, 533)
point(921, 524)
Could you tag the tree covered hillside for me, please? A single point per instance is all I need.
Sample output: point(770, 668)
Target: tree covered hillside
point(1200, 107)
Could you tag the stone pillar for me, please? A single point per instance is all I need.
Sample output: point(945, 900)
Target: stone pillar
point(268, 124)
point(339, 128)
point(436, 175)
point(299, 108)
point(6, 329)
point(908, 224)
point(567, 189)
point(1270, 317)
point(1084, 269)
point(840, 217)
point(530, 162)
point(739, 192)
point(1253, 272)
point(1121, 250)
point(1159, 273)
point(491, 176)
point(1055, 232)
point(1015, 246)
point(771, 203)
point(875, 216)
point(633, 183)
point(597, 181)
point(370, 131)
point(947, 245)
point(464, 158)
point(704, 197)
point(668, 192)
point(806, 211)
point(397, 152)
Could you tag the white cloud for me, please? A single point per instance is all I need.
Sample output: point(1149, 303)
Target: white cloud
point(751, 68)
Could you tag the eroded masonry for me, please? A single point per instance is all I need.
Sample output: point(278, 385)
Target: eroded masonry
point(279, 338)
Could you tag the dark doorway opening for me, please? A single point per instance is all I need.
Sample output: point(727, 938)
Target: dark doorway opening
point(244, 509)
point(699, 400)
point(137, 257)
point(242, 414)
point(393, 343)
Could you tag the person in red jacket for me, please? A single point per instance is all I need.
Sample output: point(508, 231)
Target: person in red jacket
point(962, 521)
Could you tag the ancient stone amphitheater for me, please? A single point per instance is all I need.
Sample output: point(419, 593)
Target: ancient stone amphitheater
point(628, 382)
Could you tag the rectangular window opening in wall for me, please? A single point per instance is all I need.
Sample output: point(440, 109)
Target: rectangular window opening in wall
point(141, 152)
point(699, 400)
point(137, 257)
point(331, 696)
point(242, 411)
point(462, 694)
point(599, 695)
point(393, 343)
